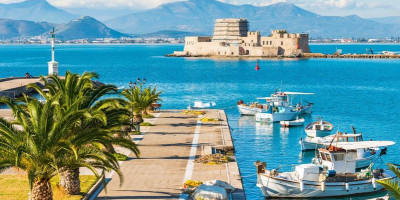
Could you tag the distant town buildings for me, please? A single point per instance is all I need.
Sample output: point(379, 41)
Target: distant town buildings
point(232, 38)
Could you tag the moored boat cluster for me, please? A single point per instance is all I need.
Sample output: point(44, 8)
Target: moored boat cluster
point(334, 171)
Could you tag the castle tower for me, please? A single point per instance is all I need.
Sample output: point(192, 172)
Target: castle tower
point(53, 65)
point(230, 31)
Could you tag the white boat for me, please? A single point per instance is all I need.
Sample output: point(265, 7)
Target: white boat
point(314, 143)
point(334, 176)
point(277, 111)
point(319, 128)
point(297, 122)
point(262, 104)
point(388, 53)
point(201, 105)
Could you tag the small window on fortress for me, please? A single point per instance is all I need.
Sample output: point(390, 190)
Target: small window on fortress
point(281, 42)
point(270, 42)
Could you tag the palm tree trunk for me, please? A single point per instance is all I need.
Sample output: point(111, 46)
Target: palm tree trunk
point(41, 190)
point(139, 118)
point(69, 181)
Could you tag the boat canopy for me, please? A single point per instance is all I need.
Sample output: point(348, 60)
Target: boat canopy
point(360, 145)
point(298, 93)
point(350, 135)
point(263, 98)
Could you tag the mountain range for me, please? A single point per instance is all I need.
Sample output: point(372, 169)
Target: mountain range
point(200, 15)
point(86, 27)
point(82, 28)
point(35, 10)
point(187, 17)
point(22, 28)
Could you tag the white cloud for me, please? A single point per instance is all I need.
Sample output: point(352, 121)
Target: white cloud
point(134, 4)
point(341, 3)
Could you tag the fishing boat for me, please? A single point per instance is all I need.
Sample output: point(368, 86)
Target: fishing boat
point(262, 103)
point(388, 53)
point(201, 105)
point(313, 143)
point(319, 128)
point(297, 122)
point(277, 111)
point(334, 175)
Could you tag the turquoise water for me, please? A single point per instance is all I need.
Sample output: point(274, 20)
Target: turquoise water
point(363, 93)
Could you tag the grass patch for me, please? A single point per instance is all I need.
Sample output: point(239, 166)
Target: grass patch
point(120, 156)
point(135, 133)
point(146, 124)
point(16, 187)
point(148, 116)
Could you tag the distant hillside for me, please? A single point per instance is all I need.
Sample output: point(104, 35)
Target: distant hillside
point(168, 34)
point(35, 10)
point(85, 28)
point(21, 28)
point(387, 20)
point(199, 16)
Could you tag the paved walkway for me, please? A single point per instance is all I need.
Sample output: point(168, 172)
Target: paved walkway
point(165, 148)
point(15, 83)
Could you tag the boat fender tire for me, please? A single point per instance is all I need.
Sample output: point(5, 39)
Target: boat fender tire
point(347, 187)
point(301, 186)
point(373, 183)
point(323, 186)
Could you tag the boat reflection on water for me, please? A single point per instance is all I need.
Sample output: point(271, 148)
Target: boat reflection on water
point(284, 130)
point(264, 128)
point(246, 120)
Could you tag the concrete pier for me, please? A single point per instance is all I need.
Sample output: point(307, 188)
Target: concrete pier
point(167, 153)
point(15, 86)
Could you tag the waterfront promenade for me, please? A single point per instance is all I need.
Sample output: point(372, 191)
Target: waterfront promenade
point(167, 153)
point(15, 86)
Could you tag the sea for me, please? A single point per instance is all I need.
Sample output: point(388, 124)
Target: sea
point(364, 93)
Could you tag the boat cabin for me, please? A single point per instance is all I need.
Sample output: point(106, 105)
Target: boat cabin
point(348, 137)
point(342, 156)
point(338, 160)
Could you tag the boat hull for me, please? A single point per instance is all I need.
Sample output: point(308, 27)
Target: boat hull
point(276, 117)
point(307, 146)
point(291, 123)
point(317, 133)
point(273, 187)
point(245, 110)
point(306, 110)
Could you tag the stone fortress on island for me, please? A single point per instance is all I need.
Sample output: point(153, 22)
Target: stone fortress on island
point(233, 39)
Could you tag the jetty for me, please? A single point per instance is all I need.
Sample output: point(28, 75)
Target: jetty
point(14, 87)
point(168, 153)
point(362, 56)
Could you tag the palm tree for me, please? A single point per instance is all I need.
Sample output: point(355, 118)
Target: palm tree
point(38, 145)
point(392, 186)
point(138, 100)
point(78, 93)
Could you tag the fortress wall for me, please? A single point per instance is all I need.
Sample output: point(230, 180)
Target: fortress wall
point(210, 49)
point(232, 38)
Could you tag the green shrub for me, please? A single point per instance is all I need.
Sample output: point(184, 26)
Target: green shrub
point(148, 116)
point(146, 124)
point(135, 133)
point(120, 156)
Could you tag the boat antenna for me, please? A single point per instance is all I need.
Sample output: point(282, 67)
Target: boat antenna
point(354, 129)
point(280, 89)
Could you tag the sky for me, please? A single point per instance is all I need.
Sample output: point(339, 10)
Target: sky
point(363, 8)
